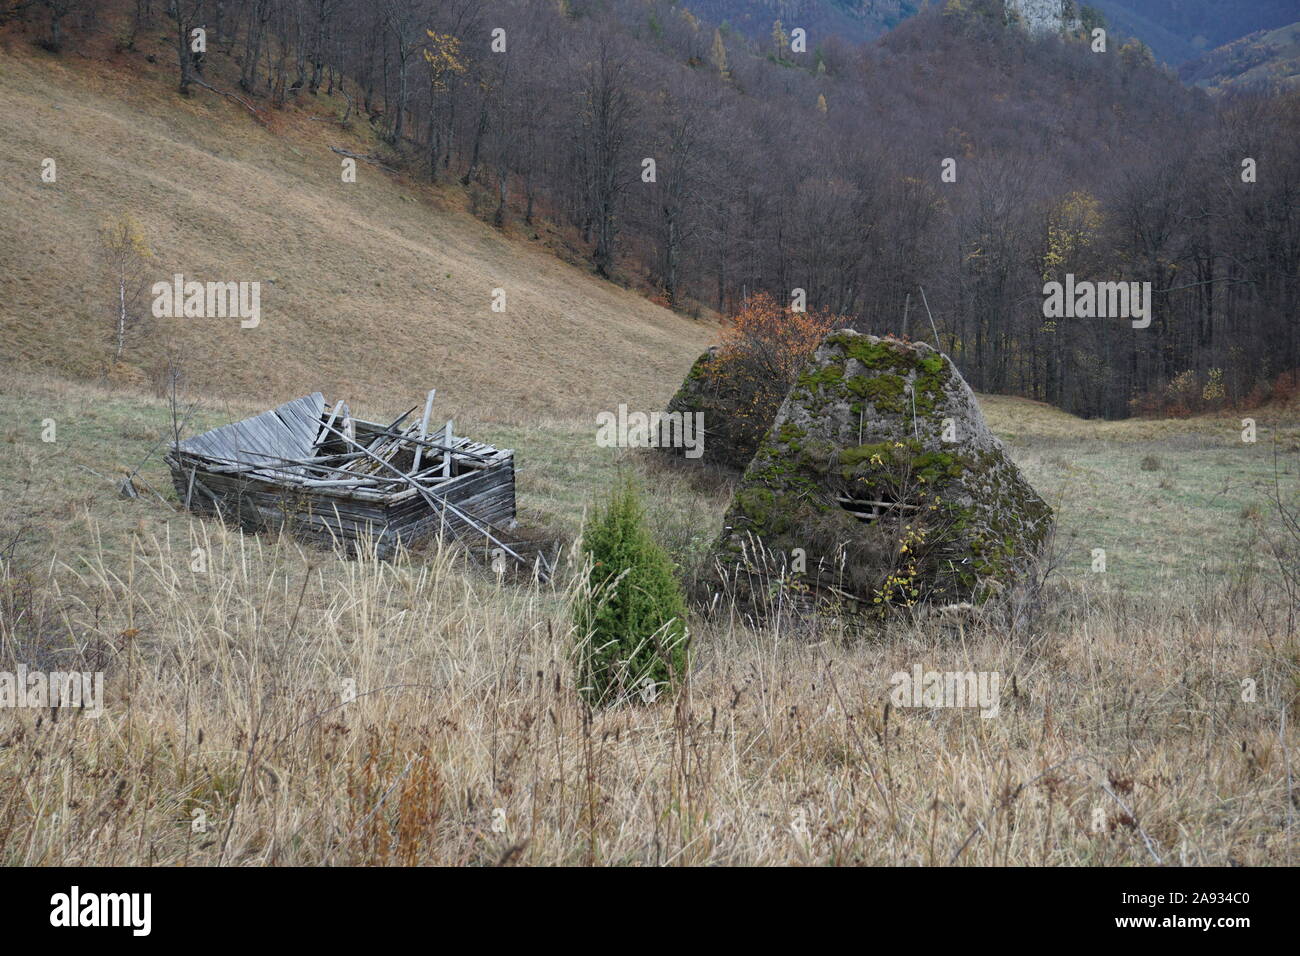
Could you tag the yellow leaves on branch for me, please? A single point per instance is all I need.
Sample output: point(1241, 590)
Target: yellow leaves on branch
point(780, 38)
point(718, 53)
point(123, 238)
point(443, 56)
point(1072, 225)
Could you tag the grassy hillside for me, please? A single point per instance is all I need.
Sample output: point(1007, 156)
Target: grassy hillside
point(1122, 734)
point(370, 290)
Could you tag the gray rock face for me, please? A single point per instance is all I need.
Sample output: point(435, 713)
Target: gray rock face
point(726, 444)
point(1041, 17)
point(879, 484)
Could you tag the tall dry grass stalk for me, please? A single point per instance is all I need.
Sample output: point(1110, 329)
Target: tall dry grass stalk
point(287, 707)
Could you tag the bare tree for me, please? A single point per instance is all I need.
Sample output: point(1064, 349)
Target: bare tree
point(126, 258)
point(402, 20)
point(188, 15)
point(604, 123)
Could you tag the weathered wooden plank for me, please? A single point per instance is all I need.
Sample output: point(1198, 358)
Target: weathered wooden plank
point(291, 468)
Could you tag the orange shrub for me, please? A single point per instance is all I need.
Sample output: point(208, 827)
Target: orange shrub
point(762, 352)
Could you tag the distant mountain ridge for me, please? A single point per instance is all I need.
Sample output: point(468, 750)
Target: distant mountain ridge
point(1181, 30)
point(1175, 30)
point(1264, 58)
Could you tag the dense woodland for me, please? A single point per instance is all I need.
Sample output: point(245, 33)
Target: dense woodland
point(820, 170)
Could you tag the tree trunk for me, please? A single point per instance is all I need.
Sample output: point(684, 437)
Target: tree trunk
point(472, 172)
point(183, 54)
point(503, 179)
point(121, 316)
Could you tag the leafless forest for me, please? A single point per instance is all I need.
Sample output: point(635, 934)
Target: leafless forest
point(781, 165)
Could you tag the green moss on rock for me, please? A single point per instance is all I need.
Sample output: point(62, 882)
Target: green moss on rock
point(862, 433)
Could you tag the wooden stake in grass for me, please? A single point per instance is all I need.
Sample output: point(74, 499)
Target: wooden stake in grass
point(424, 430)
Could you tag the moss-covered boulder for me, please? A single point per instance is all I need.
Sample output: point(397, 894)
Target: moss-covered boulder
point(729, 442)
point(879, 485)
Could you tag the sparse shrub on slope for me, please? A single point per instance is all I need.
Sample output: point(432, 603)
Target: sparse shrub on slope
point(740, 384)
point(631, 615)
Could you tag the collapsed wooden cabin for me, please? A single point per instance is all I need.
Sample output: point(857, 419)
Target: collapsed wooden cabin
point(317, 471)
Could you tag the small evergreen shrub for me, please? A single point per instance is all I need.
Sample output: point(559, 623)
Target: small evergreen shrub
point(631, 616)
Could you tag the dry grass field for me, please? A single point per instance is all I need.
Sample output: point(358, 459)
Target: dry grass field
point(270, 703)
point(228, 737)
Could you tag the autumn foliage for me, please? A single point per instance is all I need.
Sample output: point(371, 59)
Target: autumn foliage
point(762, 352)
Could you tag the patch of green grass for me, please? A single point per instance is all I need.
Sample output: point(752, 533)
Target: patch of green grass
point(1159, 529)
